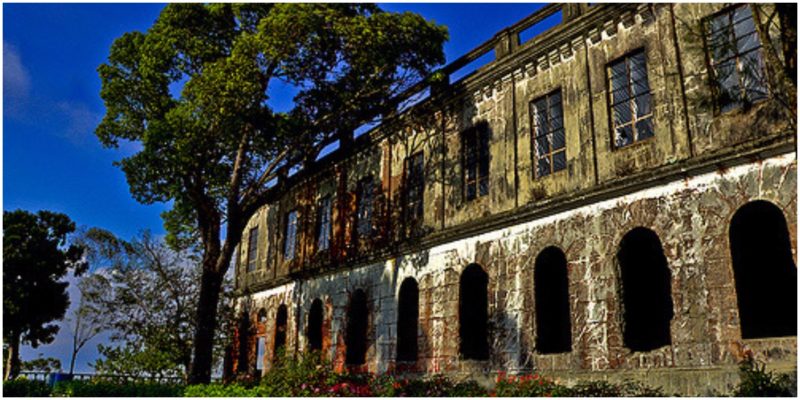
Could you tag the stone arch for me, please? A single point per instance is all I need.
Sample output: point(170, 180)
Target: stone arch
point(646, 288)
point(551, 296)
point(356, 335)
point(316, 316)
point(473, 313)
point(281, 324)
point(764, 271)
point(407, 320)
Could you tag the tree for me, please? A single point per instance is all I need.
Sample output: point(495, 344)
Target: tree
point(42, 364)
point(87, 321)
point(145, 294)
point(213, 148)
point(36, 256)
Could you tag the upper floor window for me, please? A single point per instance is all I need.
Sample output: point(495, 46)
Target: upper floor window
point(290, 243)
point(475, 156)
point(324, 223)
point(252, 249)
point(734, 52)
point(549, 142)
point(414, 175)
point(364, 197)
point(631, 110)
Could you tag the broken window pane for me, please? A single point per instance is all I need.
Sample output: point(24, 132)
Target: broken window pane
point(628, 111)
point(549, 138)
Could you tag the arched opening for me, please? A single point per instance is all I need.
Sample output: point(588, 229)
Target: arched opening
point(356, 338)
point(764, 271)
point(407, 320)
point(551, 288)
point(314, 327)
point(473, 313)
point(246, 342)
point(261, 317)
point(280, 331)
point(646, 291)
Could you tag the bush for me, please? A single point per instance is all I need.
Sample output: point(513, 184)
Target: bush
point(756, 381)
point(606, 389)
point(113, 389)
point(22, 387)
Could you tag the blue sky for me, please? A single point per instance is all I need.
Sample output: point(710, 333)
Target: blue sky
point(51, 105)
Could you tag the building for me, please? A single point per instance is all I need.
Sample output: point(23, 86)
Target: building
point(613, 198)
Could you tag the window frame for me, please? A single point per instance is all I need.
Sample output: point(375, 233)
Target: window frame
point(711, 64)
point(324, 214)
point(252, 250)
point(549, 134)
point(631, 100)
point(286, 236)
point(479, 134)
point(368, 205)
point(415, 212)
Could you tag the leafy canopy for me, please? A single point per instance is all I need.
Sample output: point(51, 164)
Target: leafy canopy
point(36, 256)
point(193, 90)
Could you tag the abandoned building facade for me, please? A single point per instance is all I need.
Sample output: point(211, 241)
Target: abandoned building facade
point(612, 198)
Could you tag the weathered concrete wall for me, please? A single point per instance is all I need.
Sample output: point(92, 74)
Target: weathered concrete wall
point(691, 218)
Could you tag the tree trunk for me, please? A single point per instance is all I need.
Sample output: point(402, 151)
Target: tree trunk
point(13, 362)
point(72, 361)
point(210, 286)
point(787, 13)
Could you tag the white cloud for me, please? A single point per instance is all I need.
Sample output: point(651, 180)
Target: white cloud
point(16, 79)
point(80, 122)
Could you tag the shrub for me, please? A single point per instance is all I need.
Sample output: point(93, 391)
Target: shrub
point(22, 387)
point(606, 389)
point(756, 381)
point(96, 388)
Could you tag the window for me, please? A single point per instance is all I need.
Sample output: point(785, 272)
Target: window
point(280, 331)
point(314, 330)
point(551, 289)
point(407, 320)
point(549, 143)
point(646, 291)
point(631, 110)
point(324, 223)
point(290, 243)
point(260, 353)
point(365, 193)
point(734, 52)
point(356, 335)
point(252, 249)
point(764, 271)
point(475, 159)
point(473, 313)
point(414, 173)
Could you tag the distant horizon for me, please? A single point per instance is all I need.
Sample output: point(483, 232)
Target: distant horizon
point(51, 106)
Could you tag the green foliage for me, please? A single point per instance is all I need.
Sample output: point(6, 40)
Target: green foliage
point(43, 364)
point(113, 389)
point(22, 387)
point(537, 386)
point(756, 381)
point(606, 389)
point(36, 256)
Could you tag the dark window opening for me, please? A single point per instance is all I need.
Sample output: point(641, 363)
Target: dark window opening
point(314, 329)
point(290, 243)
point(324, 223)
point(261, 317)
point(764, 271)
point(475, 160)
point(280, 331)
point(407, 320)
point(245, 332)
point(630, 103)
point(414, 178)
point(549, 141)
point(551, 287)
point(356, 338)
point(252, 249)
point(473, 313)
point(646, 291)
point(366, 189)
point(734, 53)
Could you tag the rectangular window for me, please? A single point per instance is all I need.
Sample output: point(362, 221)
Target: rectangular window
point(290, 241)
point(252, 249)
point(475, 159)
point(260, 347)
point(549, 142)
point(324, 223)
point(631, 110)
point(364, 197)
point(734, 52)
point(414, 177)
